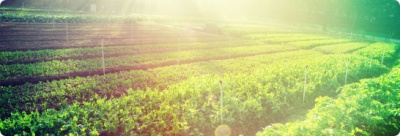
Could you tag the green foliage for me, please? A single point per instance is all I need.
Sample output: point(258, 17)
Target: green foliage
point(14, 56)
point(378, 50)
point(341, 48)
point(45, 18)
point(192, 106)
point(60, 67)
point(315, 43)
point(370, 107)
point(37, 10)
point(184, 99)
point(285, 38)
point(58, 93)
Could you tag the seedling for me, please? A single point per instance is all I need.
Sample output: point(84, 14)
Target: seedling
point(383, 56)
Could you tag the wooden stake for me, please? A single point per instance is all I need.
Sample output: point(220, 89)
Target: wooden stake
point(179, 48)
point(102, 52)
point(370, 62)
point(53, 23)
point(347, 67)
point(222, 101)
point(132, 30)
point(66, 31)
point(305, 83)
point(230, 46)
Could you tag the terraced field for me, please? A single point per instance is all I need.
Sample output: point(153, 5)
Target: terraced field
point(150, 79)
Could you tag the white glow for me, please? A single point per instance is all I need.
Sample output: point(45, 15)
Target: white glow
point(1, 1)
point(398, 1)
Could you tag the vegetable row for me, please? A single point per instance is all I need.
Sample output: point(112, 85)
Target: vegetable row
point(285, 38)
point(192, 107)
point(341, 48)
point(370, 107)
point(59, 67)
point(382, 51)
point(45, 18)
point(57, 94)
point(315, 43)
point(12, 56)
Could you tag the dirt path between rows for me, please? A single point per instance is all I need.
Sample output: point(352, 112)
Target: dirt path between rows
point(88, 35)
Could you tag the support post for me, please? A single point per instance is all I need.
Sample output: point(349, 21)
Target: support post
point(102, 53)
point(66, 32)
point(305, 83)
point(53, 21)
point(179, 48)
point(347, 70)
point(222, 101)
point(370, 62)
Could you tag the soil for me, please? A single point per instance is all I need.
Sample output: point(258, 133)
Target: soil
point(144, 51)
point(39, 36)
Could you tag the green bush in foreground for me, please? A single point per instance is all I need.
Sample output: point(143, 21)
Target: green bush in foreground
point(371, 107)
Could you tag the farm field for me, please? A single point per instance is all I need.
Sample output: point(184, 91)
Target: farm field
point(150, 78)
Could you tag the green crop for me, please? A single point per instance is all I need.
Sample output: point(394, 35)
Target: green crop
point(370, 107)
point(251, 100)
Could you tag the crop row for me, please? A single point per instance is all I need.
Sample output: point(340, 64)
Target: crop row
point(37, 10)
point(44, 18)
point(58, 93)
point(314, 43)
point(57, 67)
point(341, 48)
point(295, 39)
point(260, 36)
point(263, 37)
point(381, 51)
point(6, 57)
point(241, 30)
point(9, 56)
point(370, 107)
point(192, 107)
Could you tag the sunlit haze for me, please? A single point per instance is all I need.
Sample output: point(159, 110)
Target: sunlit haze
point(199, 67)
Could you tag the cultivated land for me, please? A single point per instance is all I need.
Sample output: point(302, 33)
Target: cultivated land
point(167, 80)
